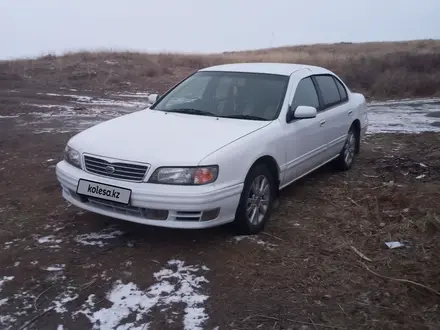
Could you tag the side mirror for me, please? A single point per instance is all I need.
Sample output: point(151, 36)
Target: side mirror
point(303, 112)
point(152, 98)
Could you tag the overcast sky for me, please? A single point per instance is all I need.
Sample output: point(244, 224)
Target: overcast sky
point(36, 27)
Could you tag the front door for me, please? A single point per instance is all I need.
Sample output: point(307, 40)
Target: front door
point(304, 140)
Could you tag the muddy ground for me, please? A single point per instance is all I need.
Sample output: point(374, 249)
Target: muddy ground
point(321, 263)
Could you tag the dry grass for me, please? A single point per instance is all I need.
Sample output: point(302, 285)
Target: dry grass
point(312, 275)
point(309, 267)
point(379, 69)
point(334, 228)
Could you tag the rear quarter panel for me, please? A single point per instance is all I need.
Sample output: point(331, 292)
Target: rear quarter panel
point(361, 111)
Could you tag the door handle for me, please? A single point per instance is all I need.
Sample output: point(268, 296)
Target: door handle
point(350, 112)
point(321, 123)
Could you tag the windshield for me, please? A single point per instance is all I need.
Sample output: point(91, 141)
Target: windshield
point(253, 96)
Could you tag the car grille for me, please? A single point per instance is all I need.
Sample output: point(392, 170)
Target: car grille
point(116, 207)
point(117, 170)
point(127, 209)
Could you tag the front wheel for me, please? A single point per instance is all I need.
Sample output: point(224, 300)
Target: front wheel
point(256, 201)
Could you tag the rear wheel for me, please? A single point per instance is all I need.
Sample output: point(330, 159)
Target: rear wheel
point(347, 156)
point(256, 201)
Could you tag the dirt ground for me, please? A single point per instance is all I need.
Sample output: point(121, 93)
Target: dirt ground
point(321, 263)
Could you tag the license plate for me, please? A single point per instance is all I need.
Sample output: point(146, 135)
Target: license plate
point(103, 191)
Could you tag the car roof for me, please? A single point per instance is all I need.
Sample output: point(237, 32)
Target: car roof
point(285, 69)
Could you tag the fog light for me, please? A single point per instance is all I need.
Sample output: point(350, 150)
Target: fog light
point(210, 214)
point(156, 214)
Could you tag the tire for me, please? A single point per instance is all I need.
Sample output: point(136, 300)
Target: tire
point(245, 224)
point(348, 153)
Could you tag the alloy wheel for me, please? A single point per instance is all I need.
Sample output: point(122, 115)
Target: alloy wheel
point(350, 148)
point(258, 200)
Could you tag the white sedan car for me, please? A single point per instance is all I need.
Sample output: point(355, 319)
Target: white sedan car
point(216, 148)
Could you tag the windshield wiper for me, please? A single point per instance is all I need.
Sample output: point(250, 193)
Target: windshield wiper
point(193, 112)
point(250, 117)
point(207, 113)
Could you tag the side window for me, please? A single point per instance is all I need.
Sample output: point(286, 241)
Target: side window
point(341, 88)
point(329, 90)
point(306, 94)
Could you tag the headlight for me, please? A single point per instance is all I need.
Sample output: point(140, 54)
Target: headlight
point(72, 157)
point(185, 175)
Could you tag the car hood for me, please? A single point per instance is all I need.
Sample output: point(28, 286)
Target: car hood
point(162, 139)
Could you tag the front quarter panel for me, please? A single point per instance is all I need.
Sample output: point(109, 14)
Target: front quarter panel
point(237, 158)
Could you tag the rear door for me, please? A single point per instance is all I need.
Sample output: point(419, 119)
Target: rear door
point(334, 113)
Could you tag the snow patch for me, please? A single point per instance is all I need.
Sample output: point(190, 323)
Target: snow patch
point(403, 116)
point(100, 101)
point(55, 277)
point(5, 279)
point(82, 99)
point(51, 239)
point(7, 319)
point(59, 303)
point(49, 106)
point(9, 117)
point(394, 116)
point(98, 238)
point(417, 101)
point(66, 119)
point(56, 268)
point(135, 95)
point(24, 304)
point(88, 266)
point(48, 239)
point(10, 243)
point(254, 239)
point(177, 283)
point(110, 102)
point(63, 112)
point(51, 130)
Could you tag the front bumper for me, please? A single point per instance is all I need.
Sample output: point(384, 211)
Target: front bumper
point(185, 204)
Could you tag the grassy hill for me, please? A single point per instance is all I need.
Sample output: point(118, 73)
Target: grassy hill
point(380, 70)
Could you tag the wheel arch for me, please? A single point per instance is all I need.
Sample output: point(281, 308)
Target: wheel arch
point(272, 166)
